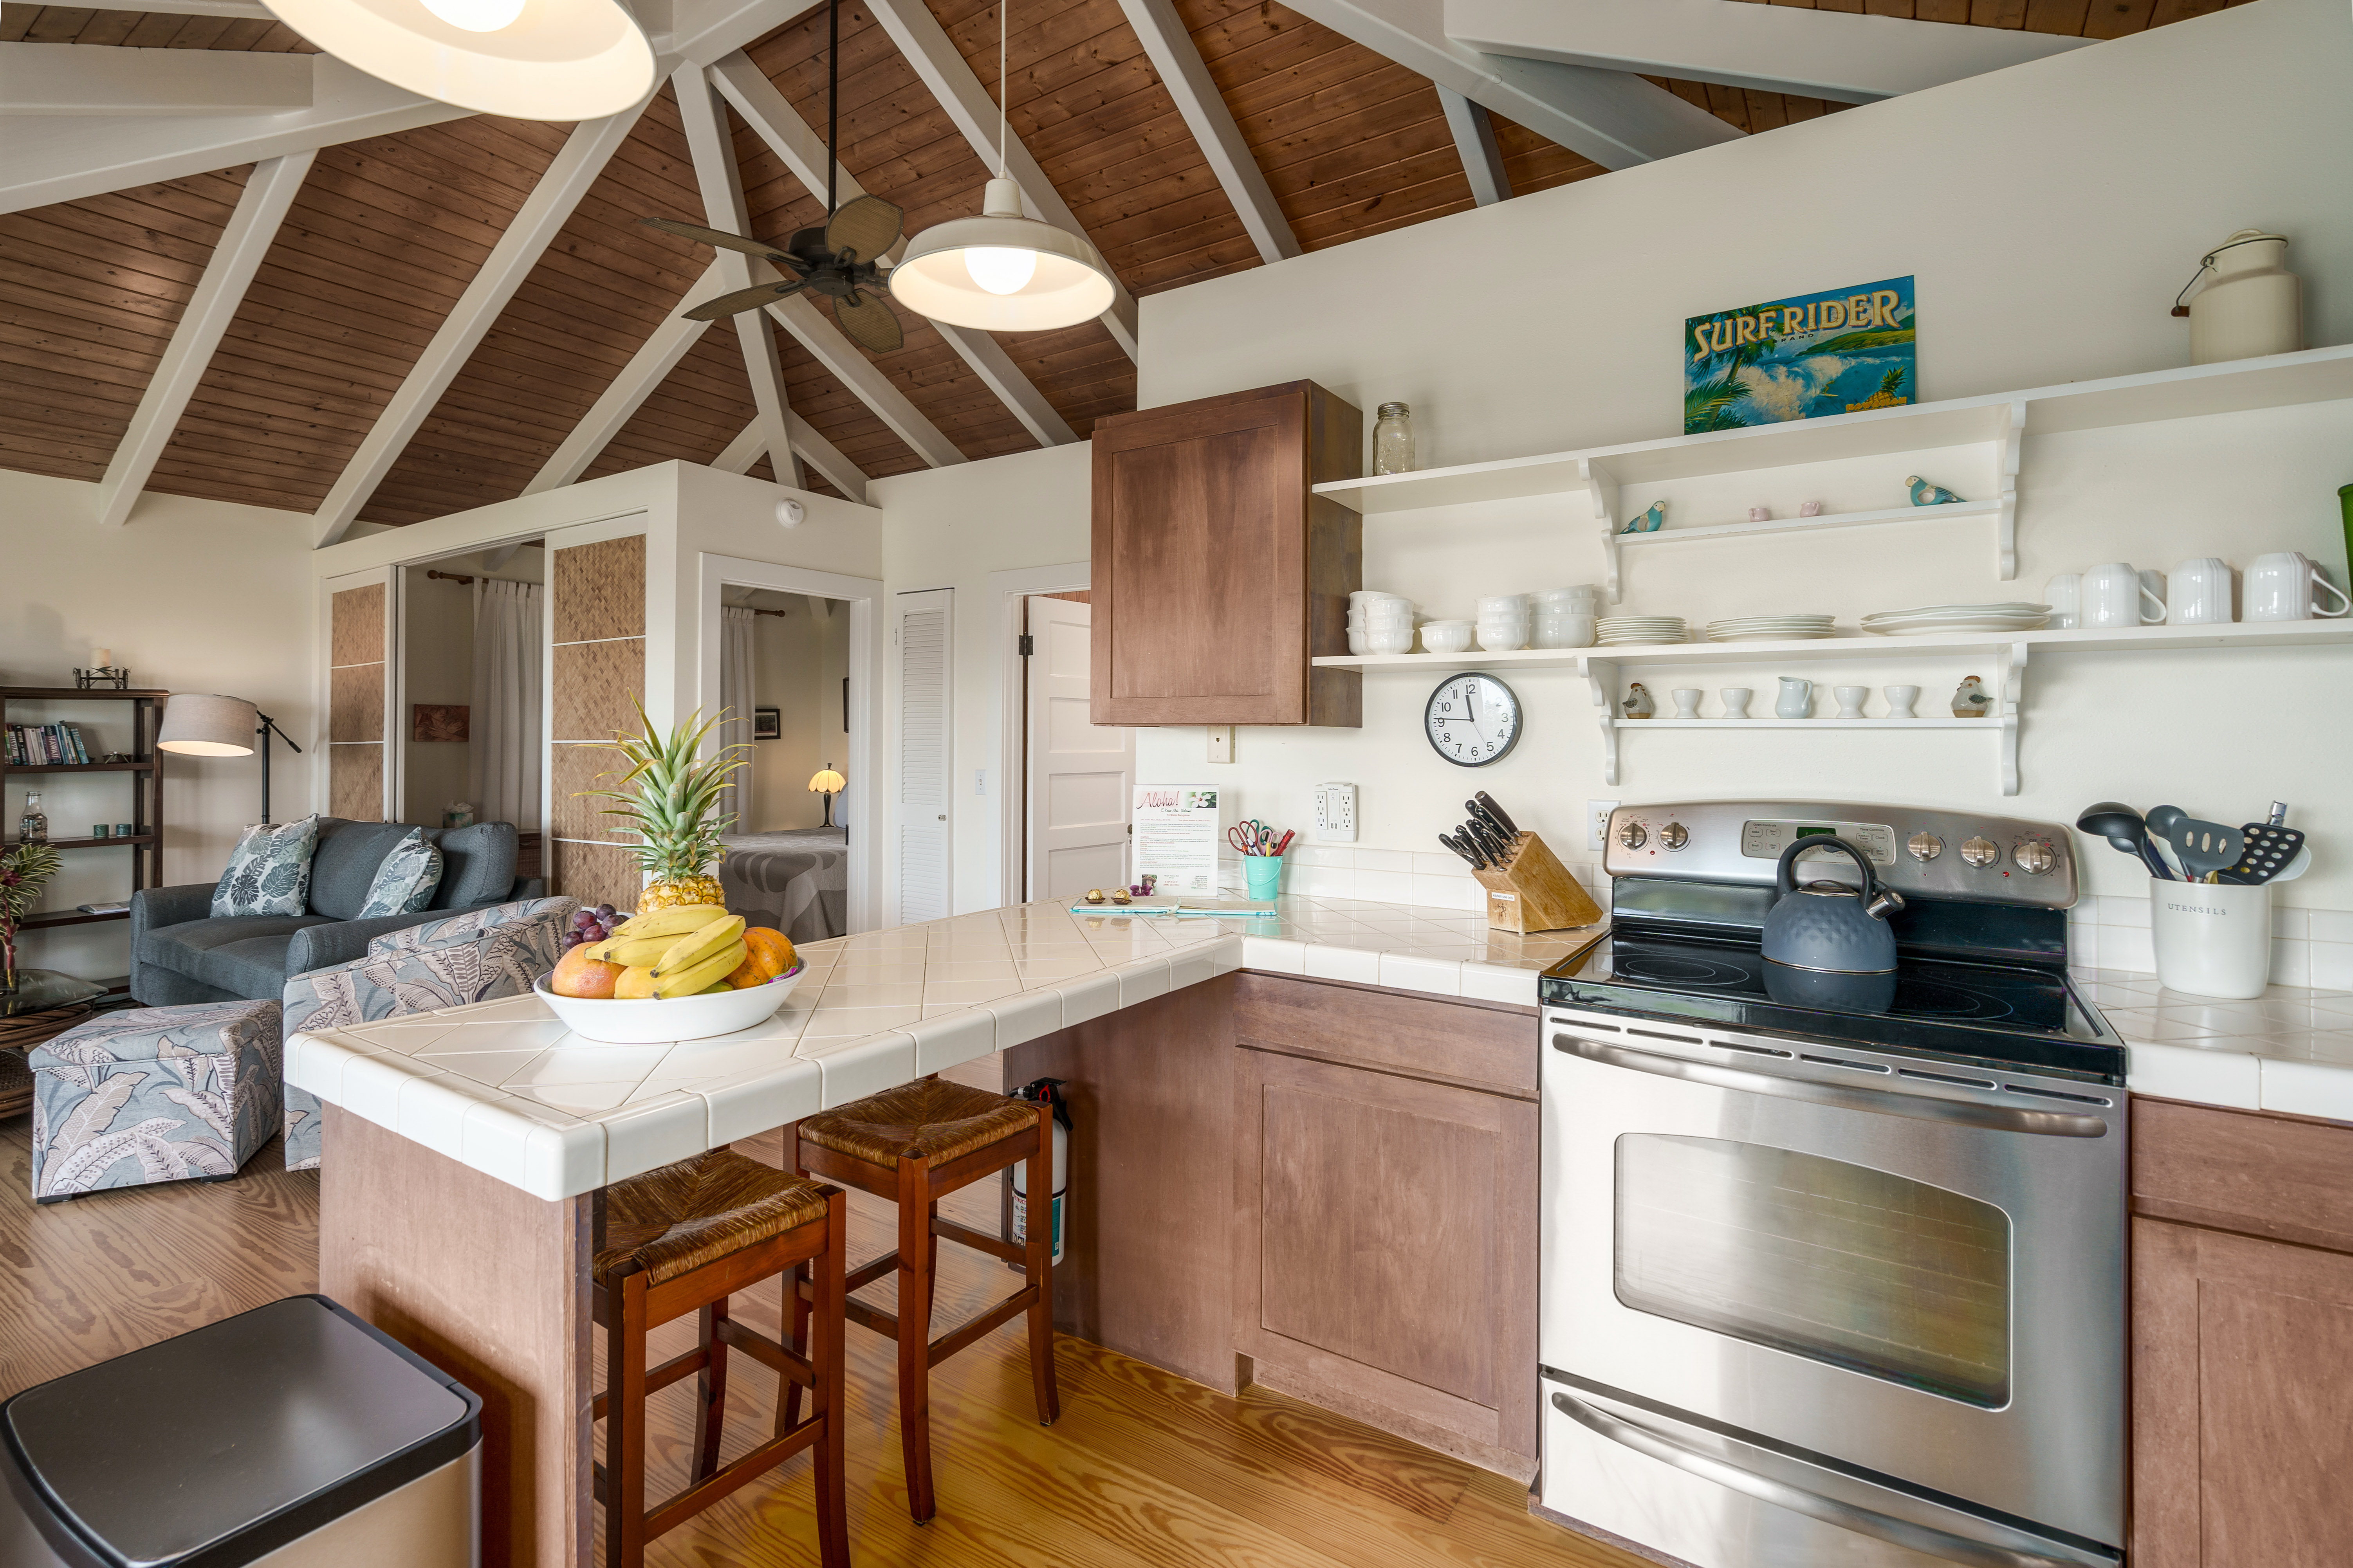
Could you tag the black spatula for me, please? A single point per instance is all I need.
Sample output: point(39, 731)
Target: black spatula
point(2205, 847)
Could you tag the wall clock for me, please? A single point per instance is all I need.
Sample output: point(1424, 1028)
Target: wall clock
point(1472, 719)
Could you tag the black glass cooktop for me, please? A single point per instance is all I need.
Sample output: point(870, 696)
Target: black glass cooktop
point(1999, 1014)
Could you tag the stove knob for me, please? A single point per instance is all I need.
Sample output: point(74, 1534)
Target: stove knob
point(1632, 836)
point(2035, 857)
point(1980, 852)
point(1923, 846)
point(1674, 835)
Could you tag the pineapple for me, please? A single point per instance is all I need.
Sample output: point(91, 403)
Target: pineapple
point(670, 798)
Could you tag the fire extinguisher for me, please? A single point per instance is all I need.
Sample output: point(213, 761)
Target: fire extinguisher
point(1048, 1090)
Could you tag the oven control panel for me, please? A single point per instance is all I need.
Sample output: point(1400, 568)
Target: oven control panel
point(1944, 854)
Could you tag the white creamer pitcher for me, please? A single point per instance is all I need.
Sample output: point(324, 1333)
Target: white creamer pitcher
point(1796, 700)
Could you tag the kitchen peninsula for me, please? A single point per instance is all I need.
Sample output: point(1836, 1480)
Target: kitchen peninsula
point(463, 1149)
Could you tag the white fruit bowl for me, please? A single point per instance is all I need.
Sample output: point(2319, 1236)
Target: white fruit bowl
point(650, 1020)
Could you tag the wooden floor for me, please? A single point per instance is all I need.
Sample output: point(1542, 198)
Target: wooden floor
point(1142, 1468)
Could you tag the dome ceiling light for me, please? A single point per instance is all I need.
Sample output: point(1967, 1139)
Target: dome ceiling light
point(527, 59)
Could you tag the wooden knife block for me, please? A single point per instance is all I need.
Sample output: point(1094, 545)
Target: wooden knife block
point(1533, 891)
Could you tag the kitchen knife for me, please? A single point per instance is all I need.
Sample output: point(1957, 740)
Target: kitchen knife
point(1491, 843)
point(1503, 818)
point(1462, 850)
point(1489, 820)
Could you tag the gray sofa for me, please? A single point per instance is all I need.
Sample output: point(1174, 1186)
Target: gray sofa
point(180, 953)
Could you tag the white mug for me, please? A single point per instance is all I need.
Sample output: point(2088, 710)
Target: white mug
point(2152, 582)
point(2279, 588)
point(2065, 594)
point(2114, 595)
point(2198, 593)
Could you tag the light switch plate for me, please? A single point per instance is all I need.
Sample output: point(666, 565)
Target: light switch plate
point(1221, 743)
point(1335, 814)
point(1596, 823)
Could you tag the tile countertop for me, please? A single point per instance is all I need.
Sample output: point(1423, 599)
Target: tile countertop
point(2289, 1050)
point(505, 1088)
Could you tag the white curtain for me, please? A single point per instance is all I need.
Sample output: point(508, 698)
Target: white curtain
point(509, 648)
point(736, 654)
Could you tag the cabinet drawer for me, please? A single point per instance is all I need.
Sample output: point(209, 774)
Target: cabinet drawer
point(1480, 1046)
point(2254, 1171)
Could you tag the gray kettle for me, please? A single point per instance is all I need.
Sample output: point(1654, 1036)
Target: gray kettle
point(1830, 926)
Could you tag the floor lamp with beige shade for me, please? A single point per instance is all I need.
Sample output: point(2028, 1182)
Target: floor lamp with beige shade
point(203, 725)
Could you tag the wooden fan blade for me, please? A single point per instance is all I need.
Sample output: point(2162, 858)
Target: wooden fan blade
point(721, 239)
point(750, 299)
point(866, 315)
point(864, 228)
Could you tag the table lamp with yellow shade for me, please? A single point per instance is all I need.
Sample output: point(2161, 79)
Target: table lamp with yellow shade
point(828, 783)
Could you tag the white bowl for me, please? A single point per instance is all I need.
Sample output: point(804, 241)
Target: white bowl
point(1388, 639)
point(1546, 597)
point(1495, 641)
point(1564, 631)
point(1446, 636)
point(1514, 603)
point(646, 1021)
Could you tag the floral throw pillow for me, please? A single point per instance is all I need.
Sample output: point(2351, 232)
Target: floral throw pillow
point(405, 882)
point(269, 872)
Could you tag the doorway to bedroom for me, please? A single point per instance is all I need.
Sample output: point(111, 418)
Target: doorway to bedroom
point(784, 687)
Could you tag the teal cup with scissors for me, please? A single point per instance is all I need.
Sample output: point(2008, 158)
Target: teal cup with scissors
point(1262, 875)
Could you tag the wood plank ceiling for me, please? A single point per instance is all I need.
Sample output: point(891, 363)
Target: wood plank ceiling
point(386, 233)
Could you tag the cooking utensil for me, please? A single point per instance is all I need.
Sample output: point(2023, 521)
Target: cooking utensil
point(2294, 868)
point(2265, 854)
point(2126, 828)
point(1462, 850)
point(1477, 807)
point(1485, 838)
point(2204, 848)
point(2162, 820)
point(1503, 818)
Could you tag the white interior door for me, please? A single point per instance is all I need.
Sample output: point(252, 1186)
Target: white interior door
point(1077, 774)
point(920, 637)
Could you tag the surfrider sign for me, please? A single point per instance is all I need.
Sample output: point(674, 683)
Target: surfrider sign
point(1837, 351)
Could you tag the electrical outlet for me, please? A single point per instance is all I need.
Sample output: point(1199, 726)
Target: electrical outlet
point(1335, 814)
point(1221, 743)
point(1596, 823)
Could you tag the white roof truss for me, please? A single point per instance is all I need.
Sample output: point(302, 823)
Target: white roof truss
point(1474, 139)
point(95, 78)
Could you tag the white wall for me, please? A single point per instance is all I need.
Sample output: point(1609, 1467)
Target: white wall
point(801, 660)
point(2049, 213)
point(436, 667)
point(192, 595)
point(950, 527)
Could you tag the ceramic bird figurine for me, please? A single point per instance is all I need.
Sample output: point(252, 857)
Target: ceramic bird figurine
point(1926, 494)
point(1648, 521)
point(1638, 702)
point(1970, 699)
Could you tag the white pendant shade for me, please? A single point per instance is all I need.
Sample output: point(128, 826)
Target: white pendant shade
point(528, 59)
point(1001, 272)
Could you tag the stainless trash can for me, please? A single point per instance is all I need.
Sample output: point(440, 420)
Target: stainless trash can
point(294, 1435)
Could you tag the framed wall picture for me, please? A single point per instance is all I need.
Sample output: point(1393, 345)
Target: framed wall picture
point(1840, 351)
point(768, 724)
point(439, 721)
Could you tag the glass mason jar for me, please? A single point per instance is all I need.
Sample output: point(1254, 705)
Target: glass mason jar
point(33, 827)
point(1393, 439)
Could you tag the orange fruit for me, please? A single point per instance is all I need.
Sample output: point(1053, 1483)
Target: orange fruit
point(766, 954)
point(577, 975)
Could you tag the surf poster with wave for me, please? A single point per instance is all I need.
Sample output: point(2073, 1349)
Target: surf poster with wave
point(1838, 351)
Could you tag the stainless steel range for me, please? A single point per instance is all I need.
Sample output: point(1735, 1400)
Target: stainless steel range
point(1833, 1265)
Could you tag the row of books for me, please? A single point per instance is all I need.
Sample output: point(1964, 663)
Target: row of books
point(33, 745)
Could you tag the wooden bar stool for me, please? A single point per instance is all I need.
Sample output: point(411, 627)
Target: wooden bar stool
point(914, 1145)
point(679, 1240)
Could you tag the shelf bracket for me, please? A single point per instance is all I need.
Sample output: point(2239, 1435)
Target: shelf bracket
point(2012, 689)
point(1601, 675)
point(2006, 443)
point(1601, 490)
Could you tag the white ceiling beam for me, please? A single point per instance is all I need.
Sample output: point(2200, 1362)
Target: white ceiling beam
point(63, 159)
point(269, 190)
point(1474, 140)
point(95, 78)
point(721, 182)
point(778, 123)
point(929, 49)
point(655, 359)
point(707, 31)
point(499, 556)
point(542, 215)
point(1614, 118)
point(741, 452)
point(1841, 55)
point(821, 455)
point(1173, 54)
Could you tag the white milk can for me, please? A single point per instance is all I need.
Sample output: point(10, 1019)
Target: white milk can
point(2251, 304)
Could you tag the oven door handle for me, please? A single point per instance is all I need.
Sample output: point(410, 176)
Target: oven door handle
point(1862, 1520)
point(1846, 1096)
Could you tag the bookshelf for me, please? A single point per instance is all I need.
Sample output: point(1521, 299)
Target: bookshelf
point(27, 705)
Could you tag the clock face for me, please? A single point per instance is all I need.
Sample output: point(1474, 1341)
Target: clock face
point(1472, 720)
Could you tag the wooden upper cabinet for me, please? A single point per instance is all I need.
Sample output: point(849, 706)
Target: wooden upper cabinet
point(1216, 575)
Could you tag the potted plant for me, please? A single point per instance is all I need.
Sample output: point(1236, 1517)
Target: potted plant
point(670, 797)
point(24, 870)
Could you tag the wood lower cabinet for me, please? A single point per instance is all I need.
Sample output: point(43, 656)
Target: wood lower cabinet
point(1385, 1225)
point(2242, 1342)
point(1218, 575)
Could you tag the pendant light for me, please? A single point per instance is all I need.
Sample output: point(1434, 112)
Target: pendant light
point(1002, 272)
point(526, 59)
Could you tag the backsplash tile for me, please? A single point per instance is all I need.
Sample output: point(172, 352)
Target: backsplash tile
point(2309, 947)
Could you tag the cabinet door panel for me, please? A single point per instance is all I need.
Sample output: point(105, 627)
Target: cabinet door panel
point(2243, 1372)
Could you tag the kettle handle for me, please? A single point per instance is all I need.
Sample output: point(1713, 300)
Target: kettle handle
point(1785, 872)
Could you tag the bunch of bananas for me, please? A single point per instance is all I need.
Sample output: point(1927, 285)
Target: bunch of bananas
point(675, 952)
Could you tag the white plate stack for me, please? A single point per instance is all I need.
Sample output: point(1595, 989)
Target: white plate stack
point(1771, 628)
point(1937, 619)
point(1632, 631)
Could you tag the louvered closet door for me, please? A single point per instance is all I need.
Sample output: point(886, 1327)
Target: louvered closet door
point(920, 637)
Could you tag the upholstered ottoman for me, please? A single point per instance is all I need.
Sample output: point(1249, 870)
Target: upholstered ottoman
point(155, 1094)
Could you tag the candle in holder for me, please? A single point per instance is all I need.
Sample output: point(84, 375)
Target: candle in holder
point(101, 658)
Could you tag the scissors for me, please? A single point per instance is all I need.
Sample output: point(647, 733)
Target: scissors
point(1250, 838)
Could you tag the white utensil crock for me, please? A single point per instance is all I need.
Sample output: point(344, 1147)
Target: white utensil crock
point(2212, 939)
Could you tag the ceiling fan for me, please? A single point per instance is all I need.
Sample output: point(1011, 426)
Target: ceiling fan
point(841, 260)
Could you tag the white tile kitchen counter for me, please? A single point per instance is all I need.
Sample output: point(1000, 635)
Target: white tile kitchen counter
point(2289, 1050)
point(505, 1088)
